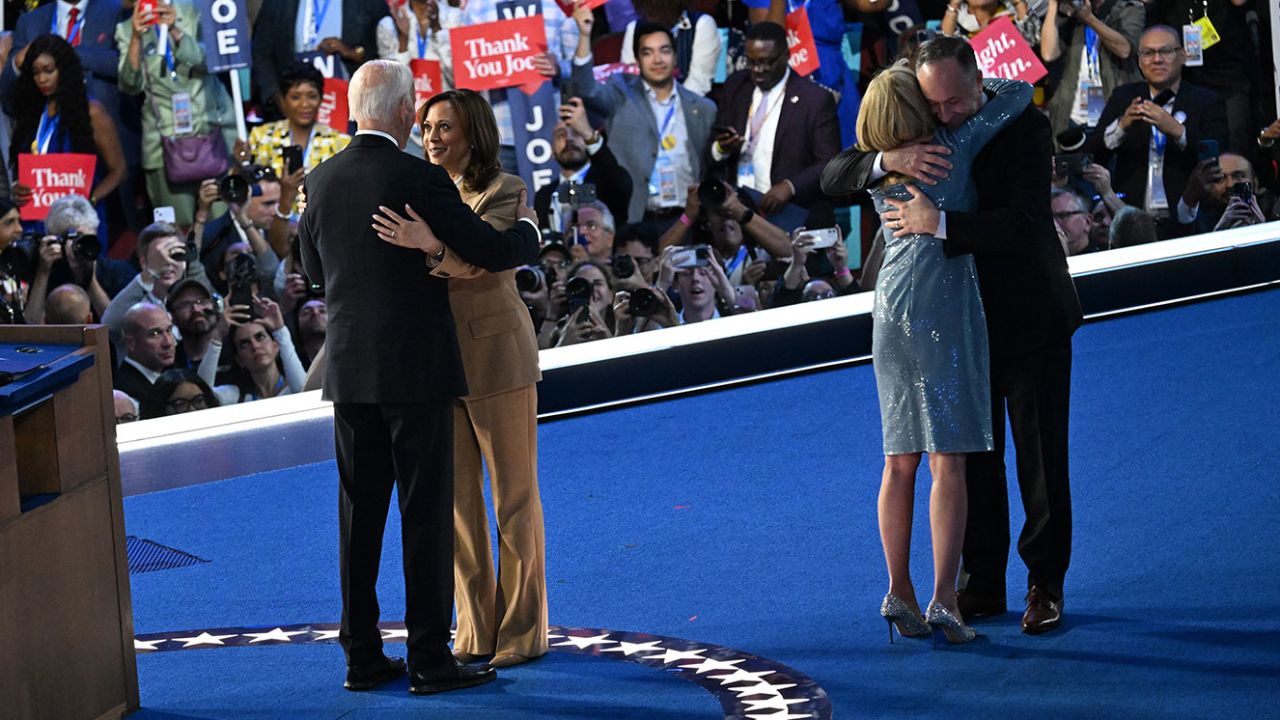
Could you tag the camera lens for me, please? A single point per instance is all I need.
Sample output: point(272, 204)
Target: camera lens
point(712, 192)
point(87, 246)
point(623, 266)
point(527, 279)
point(178, 254)
point(233, 189)
point(19, 259)
point(577, 289)
point(643, 302)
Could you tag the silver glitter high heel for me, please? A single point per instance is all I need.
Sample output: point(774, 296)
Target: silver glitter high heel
point(950, 625)
point(897, 612)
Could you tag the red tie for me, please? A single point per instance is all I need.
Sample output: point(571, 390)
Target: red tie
point(73, 34)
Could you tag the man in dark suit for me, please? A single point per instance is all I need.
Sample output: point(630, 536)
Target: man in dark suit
point(1031, 310)
point(1151, 131)
point(348, 30)
point(584, 157)
point(394, 370)
point(149, 350)
point(777, 130)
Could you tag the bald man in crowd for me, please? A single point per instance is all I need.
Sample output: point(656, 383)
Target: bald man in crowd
point(68, 305)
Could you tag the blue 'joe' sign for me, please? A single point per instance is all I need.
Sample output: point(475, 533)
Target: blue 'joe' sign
point(226, 35)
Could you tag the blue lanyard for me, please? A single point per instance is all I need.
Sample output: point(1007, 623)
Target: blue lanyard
point(1158, 140)
point(45, 132)
point(581, 176)
point(1091, 47)
point(424, 36)
point(75, 29)
point(737, 260)
point(666, 122)
point(317, 18)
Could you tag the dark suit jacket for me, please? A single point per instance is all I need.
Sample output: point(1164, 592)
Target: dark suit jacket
point(97, 50)
point(391, 335)
point(808, 134)
point(273, 34)
point(613, 188)
point(1206, 118)
point(129, 381)
point(1026, 288)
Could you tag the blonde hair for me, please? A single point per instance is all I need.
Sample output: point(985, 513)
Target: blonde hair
point(894, 111)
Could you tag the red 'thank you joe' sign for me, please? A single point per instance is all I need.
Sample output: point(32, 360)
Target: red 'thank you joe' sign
point(498, 54)
point(53, 176)
point(333, 104)
point(1004, 54)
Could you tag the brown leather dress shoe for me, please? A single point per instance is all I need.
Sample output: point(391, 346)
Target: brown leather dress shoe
point(368, 677)
point(1044, 613)
point(454, 676)
point(979, 606)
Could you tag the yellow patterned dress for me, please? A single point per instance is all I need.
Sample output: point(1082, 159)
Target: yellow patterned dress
point(267, 143)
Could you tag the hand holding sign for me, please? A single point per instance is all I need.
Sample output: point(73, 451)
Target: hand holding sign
point(52, 176)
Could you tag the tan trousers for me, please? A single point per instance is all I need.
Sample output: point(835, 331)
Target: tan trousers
point(507, 614)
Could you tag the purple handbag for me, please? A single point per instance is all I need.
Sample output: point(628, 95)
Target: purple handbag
point(194, 158)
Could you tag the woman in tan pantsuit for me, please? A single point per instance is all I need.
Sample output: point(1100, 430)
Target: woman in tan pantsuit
point(496, 424)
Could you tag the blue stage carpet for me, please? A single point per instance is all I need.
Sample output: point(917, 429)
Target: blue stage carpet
point(746, 518)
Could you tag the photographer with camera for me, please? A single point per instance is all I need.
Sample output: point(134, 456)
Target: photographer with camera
point(589, 298)
point(585, 159)
point(1221, 194)
point(68, 252)
point(717, 215)
point(1095, 52)
point(202, 325)
point(165, 259)
point(815, 257)
point(253, 196)
point(12, 289)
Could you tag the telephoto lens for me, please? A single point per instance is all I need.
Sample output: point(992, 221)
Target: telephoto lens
point(528, 279)
point(644, 302)
point(233, 188)
point(86, 246)
point(578, 289)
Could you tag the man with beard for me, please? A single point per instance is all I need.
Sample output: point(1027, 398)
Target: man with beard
point(584, 157)
point(162, 254)
point(201, 329)
point(312, 323)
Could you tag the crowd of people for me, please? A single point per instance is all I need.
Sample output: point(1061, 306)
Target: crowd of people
point(688, 187)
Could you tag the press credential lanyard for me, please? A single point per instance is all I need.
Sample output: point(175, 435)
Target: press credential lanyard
point(44, 133)
point(318, 12)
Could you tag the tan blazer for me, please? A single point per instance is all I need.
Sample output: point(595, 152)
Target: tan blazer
point(499, 347)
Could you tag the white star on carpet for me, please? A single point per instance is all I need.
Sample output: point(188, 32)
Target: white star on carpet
point(583, 643)
point(671, 656)
point(629, 648)
point(779, 715)
point(761, 688)
point(710, 664)
point(146, 644)
point(203, 638)
point(388, 634)
point(774, 703)
point(741, 676)
point(325, 635)
point(279, 635)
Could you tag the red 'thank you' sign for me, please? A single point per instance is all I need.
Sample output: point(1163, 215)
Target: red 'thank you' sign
point(804, 51)
point(1004, 54)
point(498, 54)
point(566, 6)
point(426, 80)
point(53, 176)
point(333, 104)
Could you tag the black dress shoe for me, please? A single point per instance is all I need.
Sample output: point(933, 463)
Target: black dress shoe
point(367, 677)
point(1043, 614)
point(979, 606)
point(454, 676)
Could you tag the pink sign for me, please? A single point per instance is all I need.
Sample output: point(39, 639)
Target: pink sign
point(333, 104)
point(499, 54)
point(1004, 54)
point(804, 51)
point(53, 176)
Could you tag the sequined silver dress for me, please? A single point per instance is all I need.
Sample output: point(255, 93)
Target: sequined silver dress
point(929, 342)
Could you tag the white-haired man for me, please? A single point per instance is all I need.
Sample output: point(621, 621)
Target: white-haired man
point(71, 253)
point(393, 407)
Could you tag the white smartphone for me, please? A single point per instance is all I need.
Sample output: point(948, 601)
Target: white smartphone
point(822, 237)
point(164, 214)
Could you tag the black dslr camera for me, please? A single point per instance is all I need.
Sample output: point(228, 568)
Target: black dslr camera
point(624, 266)
point(644, 302)
point(577, 293)
point(575, 195)
point(21, 258)
point(532, 278)
point(241, 274)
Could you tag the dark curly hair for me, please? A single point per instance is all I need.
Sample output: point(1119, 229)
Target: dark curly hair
point(157, 403)
point(71, 97)
point(476, 121)
point(299, 73)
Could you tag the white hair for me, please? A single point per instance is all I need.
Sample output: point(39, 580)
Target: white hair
point(378, 90)
point(71, 212)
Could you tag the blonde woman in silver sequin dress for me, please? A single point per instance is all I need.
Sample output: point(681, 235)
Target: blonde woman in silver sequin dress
point(929, 346)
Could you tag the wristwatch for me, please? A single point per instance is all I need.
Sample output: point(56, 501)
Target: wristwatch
point(746, 217)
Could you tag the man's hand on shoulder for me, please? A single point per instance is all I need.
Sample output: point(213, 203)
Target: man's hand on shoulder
point(926, 163)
